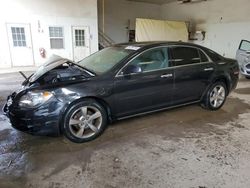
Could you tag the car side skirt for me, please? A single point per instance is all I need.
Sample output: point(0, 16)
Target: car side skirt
point(158, 110)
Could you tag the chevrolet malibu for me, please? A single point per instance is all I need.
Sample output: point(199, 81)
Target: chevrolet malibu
point(80, 99)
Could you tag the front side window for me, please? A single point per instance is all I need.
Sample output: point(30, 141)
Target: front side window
point(56, 37)
point(185, 56)
point(245, 45)
point(151, 60)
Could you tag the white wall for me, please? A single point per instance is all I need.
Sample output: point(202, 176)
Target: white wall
point(226, 22)
point(66, 13)
point(118, 13)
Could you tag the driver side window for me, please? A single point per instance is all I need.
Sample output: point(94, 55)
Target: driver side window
point(151, 60)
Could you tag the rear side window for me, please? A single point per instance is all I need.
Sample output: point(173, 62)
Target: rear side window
point(214, 56)
point(185, 56)
point(244, 45)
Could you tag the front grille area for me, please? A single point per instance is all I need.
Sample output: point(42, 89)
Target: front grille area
point(248, 66)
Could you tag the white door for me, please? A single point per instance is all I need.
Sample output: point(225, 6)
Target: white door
point(20, 44)
point(81, 44)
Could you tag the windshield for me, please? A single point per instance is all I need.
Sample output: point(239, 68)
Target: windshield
point(105, 59)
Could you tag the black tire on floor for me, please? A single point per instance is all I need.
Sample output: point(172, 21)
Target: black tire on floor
point(248, 77)
point(207, 104)
point(67, 131)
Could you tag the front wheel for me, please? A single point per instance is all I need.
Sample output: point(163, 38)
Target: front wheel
point(84, 121)
point(215, 97)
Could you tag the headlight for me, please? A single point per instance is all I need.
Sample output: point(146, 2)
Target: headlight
point(33, 99)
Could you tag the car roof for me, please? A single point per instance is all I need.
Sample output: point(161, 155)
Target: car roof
point(157, 43)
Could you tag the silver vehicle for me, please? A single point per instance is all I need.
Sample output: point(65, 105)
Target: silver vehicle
point(243, 58)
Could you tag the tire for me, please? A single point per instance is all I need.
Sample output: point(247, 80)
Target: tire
point(248, 77)
point(213, 101)
point(80, 125)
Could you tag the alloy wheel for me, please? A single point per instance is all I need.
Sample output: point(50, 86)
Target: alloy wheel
point(85, 122)
point(217, 96)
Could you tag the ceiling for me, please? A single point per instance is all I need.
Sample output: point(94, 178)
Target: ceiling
point(160, 2)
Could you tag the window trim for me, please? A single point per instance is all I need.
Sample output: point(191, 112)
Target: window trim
point(63, 48)
point(165, 46)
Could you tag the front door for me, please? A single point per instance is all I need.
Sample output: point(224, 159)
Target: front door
point(20, 44)
point(81, 44)
point(243, 57)
point(148, 90)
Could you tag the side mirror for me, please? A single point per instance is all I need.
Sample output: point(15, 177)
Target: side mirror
point(132, 69)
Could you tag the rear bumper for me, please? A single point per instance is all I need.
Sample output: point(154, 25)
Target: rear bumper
point(43, 121)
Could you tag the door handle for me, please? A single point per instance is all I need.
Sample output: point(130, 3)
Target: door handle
point(166, 75)
point(209, 69)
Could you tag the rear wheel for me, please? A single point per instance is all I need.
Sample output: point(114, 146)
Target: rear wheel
point(84, 121)
point(247, 77)
point(215, 97)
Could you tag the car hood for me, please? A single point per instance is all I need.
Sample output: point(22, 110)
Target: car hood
point(52, 63)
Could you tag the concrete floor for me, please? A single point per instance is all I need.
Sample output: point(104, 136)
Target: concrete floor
point(185, 147)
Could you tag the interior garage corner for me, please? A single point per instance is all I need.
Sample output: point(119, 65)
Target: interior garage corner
point(124, 93)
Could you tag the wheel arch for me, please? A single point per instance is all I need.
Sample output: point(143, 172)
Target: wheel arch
point(225, 80)
point(102, 102)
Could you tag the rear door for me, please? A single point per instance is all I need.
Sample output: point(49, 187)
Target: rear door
point(243, 54)
point(193, 71)
point(150, 90)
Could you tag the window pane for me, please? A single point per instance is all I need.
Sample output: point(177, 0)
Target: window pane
point(185, 56)
point(24, 43)
point(13, 29)
point(152, 60)
point(18, 36)
point(15, 43)
point(56, 43)
point(245, 45)
point(79, 37)
point(203, 57)
point(55, 32)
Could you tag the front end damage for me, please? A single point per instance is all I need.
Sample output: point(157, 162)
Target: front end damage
point(41, 115)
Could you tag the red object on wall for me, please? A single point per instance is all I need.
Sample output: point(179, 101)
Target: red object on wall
point(42, 52)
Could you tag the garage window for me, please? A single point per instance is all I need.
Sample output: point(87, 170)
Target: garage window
point(56, 37)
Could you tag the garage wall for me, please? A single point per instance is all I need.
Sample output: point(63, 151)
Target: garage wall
point(42, 14)
point(119, 12)
point(225, 21)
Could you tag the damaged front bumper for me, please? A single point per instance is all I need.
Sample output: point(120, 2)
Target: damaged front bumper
point(41, 121)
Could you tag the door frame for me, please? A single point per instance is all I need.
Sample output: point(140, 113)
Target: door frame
point(73, 40)
point(31, 42)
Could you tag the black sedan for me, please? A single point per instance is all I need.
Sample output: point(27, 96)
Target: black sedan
point(80, 99)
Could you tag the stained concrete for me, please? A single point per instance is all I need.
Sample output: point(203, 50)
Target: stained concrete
point(184, 147)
